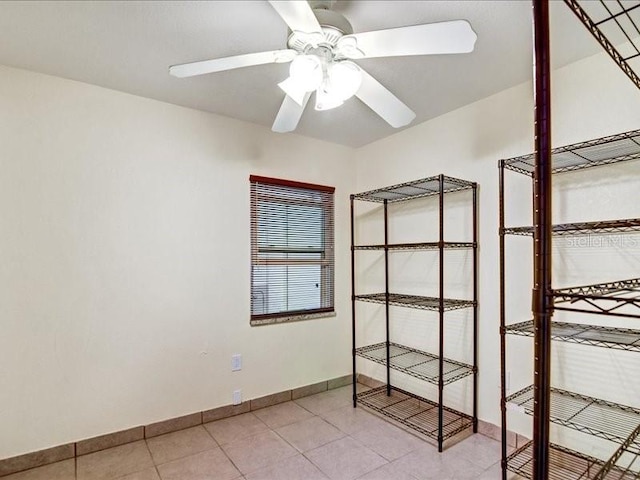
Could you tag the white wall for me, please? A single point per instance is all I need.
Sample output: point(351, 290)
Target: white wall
point(591, 98)
point(124, 281)
point(124, 285)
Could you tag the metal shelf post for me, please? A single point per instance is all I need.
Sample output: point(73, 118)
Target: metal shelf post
point(441, 314)
point(353, 304)
point(474, 215)
point(386, 289)
point(541, 300)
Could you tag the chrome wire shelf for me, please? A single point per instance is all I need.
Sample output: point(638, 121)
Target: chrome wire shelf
point(601, 298)
point(416, 363)
point(564, 464)
point(593, 335)
point(600, 418)
point(583, 228)
point(618, 148)
point(415, 412)
point(625, 462)
point(616, 26)
point(416, 246)
point(424, 187)
point(416, 301)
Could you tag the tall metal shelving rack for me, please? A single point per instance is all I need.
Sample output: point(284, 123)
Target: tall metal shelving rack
point(615, 24)
point(618, 298)
point(427, 417)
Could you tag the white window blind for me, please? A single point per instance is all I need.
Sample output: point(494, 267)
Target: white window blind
point(292, 259)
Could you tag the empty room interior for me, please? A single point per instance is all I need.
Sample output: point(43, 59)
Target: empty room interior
point(324, 239)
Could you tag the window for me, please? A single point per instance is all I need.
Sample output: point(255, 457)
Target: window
point(291, 250)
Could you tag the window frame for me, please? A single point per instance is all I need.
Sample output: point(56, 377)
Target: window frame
point(327, 275)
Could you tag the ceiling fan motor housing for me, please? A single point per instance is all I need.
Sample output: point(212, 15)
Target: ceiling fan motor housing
point(334, 26)
point(321, 4)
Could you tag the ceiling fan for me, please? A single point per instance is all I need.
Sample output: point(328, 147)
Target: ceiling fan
point(321, 48)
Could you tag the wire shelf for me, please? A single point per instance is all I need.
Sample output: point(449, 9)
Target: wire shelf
point(625, 462)
point(593, 335)
point(416, 363)
point(564, 464)
point(415, 412)
point(416, 301)
point(582, 228)
point(417, 246)
point(601, 298)
point(614, 23)
point(622, 147)
point(600, 418)
point(424, 187)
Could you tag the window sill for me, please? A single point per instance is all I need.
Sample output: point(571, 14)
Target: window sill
point(291, 318)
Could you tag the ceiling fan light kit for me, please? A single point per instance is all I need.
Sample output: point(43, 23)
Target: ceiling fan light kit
point(325, 100)
point(321, 47)
point(333, 82)
point(307, 71)
point(344, 79)
point(305, 75)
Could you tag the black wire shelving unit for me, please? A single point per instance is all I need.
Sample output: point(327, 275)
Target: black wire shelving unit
point(428, 417)
point(415, 412)
point(565, 464)
point(592, 335)
point(416, 246)
point(600, 418)
point(621, 147)
point(426, 187)
point(616, 299)
point(614, 23)
point(625, 462)
point(603, 298)
point(415, 301)
point(582, 228)
point(419, 364)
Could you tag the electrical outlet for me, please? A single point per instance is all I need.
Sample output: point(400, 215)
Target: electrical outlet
point(507, 381)
point(236, 362)
point(237, 397)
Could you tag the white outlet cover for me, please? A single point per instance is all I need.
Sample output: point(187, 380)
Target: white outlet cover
point(236, 362)
point(237, 397)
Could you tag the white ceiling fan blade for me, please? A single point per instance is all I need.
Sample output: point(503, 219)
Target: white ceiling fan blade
point(229, 63)
point(289, 114)
point(297, 14)
point(293, 90)
point(383, 102)
point(430, 39)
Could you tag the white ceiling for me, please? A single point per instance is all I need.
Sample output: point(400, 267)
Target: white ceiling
point(129, 45)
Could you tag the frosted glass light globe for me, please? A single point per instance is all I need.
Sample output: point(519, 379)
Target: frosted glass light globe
point(345, 78)
point(306, 72)
point(326, 99)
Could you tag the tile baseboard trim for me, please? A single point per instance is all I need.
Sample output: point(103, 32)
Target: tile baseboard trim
point(109, 440)
point(494, 432)
point(67, 451)
point(37, 459)
point(368, 381)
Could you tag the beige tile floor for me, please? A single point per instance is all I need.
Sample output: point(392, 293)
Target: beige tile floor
point(314, 438)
